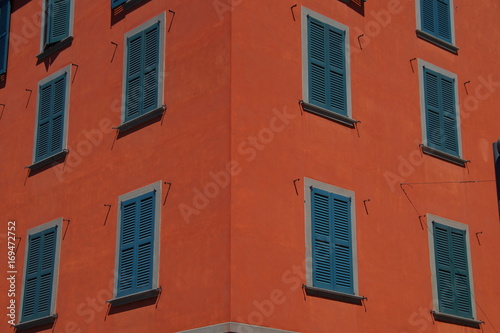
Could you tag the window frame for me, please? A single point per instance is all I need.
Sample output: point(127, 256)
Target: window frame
point(306, 102)
point(310, 288)
point(124, 299)
point(127, 124)
point(448, 46)
point(438, 315)
point(46, 48)
point(52, 316)
point(39, 163)
point(126, 4)
point(458, 160)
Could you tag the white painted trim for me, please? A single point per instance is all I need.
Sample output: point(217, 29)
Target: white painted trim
point(452, 19)
point(457, 225)
point(232, 327)
point(66, 70)
point(308, 183)
point(305, 55)
point(423, 111)
point(59, 223)
point(43, 30)
point(161, 60)
point(157, 223)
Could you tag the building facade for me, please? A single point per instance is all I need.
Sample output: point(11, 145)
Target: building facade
point(249, 166)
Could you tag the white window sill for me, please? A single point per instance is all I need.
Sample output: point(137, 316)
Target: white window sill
point(436, 41)
point(54, 158)
point(35, 322)
point(151, 293)
point(447, 318)
point(141, 119)
point(55, 47)
point(337, 117)
point(333, 295)
point(444, 156)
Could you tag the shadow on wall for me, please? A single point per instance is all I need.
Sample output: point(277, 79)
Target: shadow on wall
point(357, 5)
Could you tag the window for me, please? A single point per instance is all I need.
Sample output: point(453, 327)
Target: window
point(143, 81)
point(40, 275)
point(116, 3)
point(126, 3)
point(58, 26)
point(451, 270)
point(326, 68)
point(330, 235)
point(4, 34)
point(137, 244)
point(440, 114)
point(51, 127)
point(435, 23)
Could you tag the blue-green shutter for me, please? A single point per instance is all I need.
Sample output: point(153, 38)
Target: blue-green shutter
point(452, 271)
point(51, 109)
point(143, 54)
point(39, 274)
point(4, 34)
point(436, 18)
point(332, 241)
point(57, 20)
point(116, 3)
point(327, 66)
point(135, 271)
point(441, 115)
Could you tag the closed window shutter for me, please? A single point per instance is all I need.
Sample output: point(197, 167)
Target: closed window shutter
point(428, 17)
point(441, 117)
point(136, 245)
point(436, 18)
point(452, 271)
point(39, 275)
point(443, 15)
point(327, 68)
point(52, 103)
point(332, 242)
point(142, 72)
point(450, 130)
point(322, 234)
point(433, 112)
point(337, 72)
point(116, 3)
point(461, 273)
point(342, 244)
point(57, 20)
point(4, 33)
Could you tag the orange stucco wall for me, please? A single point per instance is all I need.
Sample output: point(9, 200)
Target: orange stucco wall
point(191, 140)
point(268, 241)
point(236, 251)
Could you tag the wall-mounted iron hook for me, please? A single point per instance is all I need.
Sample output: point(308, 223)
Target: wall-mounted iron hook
point(295, 185)
point(171, 21)
point(293, 14)
point(67, 226)
point(364, 203)
point(114, 52)
point(107, 213)
point(29, 96)
point(465, 86)
point(359, 41)
point(168, 191)
point(477, 237)
point(411, 64)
